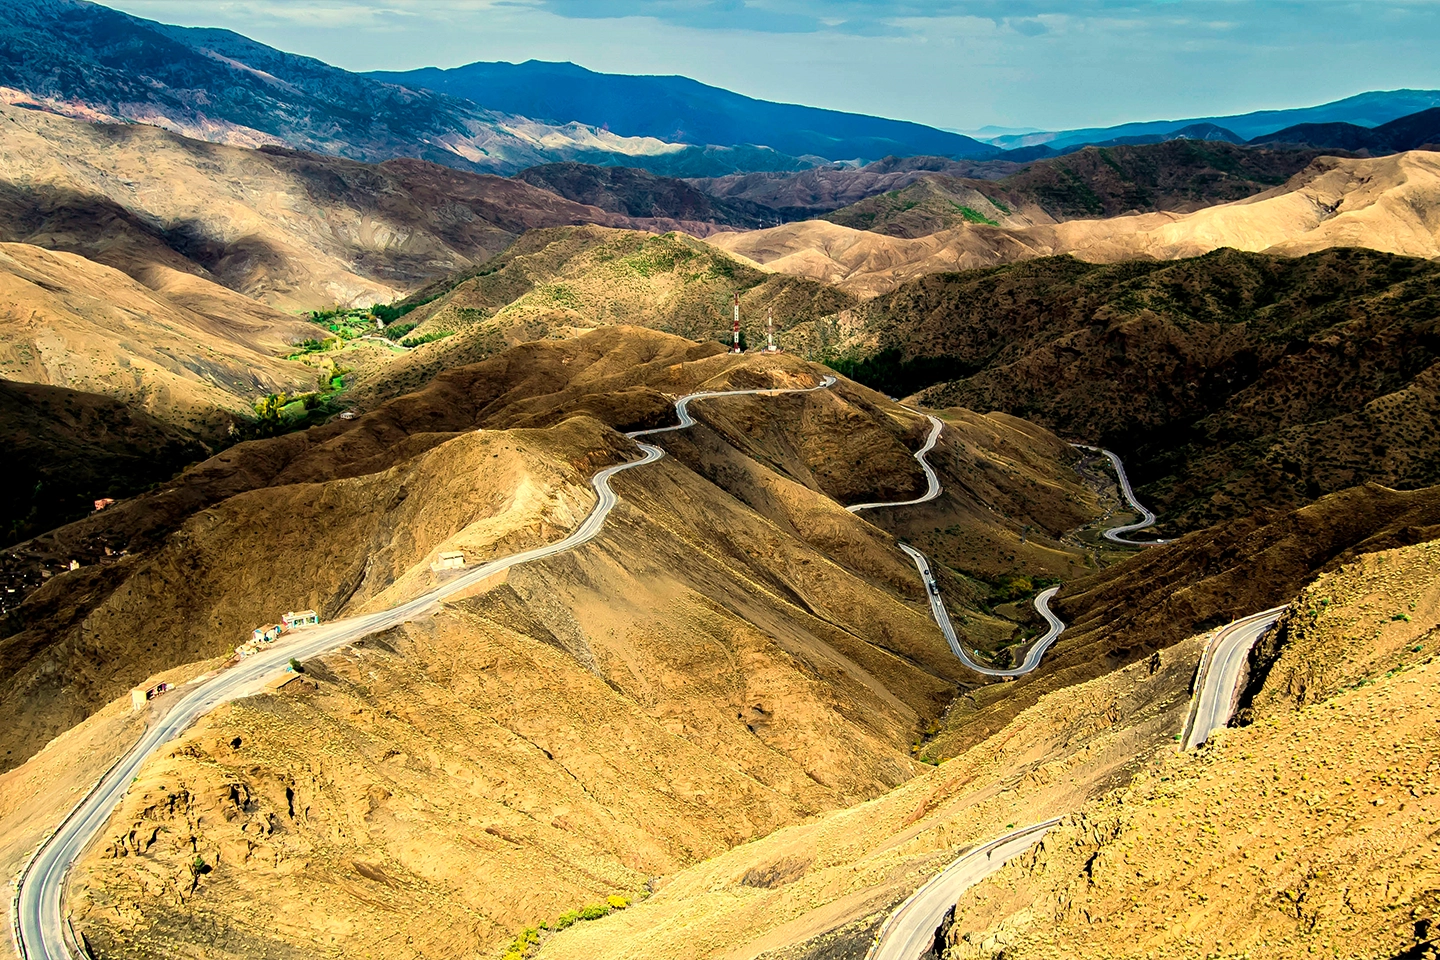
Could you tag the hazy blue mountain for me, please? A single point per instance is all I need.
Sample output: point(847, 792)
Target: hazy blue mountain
point(90, 61)
point(1365, 110)
point(680, 110)
point(1407, 133)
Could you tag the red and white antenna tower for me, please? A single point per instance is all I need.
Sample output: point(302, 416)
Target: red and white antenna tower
point(735, 335)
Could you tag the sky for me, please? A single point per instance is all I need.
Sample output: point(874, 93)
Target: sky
point(957, 64)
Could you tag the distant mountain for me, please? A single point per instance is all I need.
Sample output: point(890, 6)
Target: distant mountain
point(1408, 133)
point(680, 110)
point(639, 193)
point(94, 63)
point(1178, 175)
point(1365, 110)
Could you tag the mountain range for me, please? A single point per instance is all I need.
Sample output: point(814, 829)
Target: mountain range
point(1044, 565)
point(1365, 110)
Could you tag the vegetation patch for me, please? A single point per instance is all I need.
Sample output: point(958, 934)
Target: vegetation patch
point(527, 941)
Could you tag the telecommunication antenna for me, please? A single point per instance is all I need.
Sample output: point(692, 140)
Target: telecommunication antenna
point(770, 330)
point(735, 335)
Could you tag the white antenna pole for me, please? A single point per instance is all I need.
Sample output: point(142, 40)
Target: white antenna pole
point(735, 333)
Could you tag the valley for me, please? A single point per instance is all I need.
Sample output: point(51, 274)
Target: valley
point(524, 511)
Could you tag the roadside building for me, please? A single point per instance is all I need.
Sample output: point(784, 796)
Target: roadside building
point(450, 560)
point(139, 696)
point(268, 633)
point(301, 620)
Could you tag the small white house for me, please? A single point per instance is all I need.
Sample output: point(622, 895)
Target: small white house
point(301, 620)
point(450, 560)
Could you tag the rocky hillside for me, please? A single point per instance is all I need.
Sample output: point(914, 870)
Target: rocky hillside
point(1274, 824)
point(1304, 832)
point(1227, 382)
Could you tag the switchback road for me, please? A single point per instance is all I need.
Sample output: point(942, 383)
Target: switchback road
point(937, 605)
point(1147, 519)
point(40, 923)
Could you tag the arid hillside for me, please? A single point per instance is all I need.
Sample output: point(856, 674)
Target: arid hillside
point(1307, 831)
point(755, 653)
point(193, 354)
point(1250, 845)
point(294, 230)
point(568, 280)
point(1388, 204)
point(1228, 382)
point(1178, 175)
point(203, 546)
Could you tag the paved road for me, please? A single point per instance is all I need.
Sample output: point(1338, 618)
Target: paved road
point(1147, 519)
point(40, 922)
point(942, 618)
point(932, 480)
point(1220, 668)
point(937, 605)
point(910, 931)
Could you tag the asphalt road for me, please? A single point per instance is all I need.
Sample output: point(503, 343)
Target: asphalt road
point(1147, 519)
point(937, 605)
point(40, 922)
point(932, 480)
point(1224, 658)
point(910, 931)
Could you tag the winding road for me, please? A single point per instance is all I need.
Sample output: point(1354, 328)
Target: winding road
point(40, 924)
point(1220, 668)
point(1055, 626)
point(910, 930)
point(1147, 519)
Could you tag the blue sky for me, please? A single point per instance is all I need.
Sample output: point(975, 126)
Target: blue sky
point(960, 64)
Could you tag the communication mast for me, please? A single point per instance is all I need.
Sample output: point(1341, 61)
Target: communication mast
point(735, 335)
point(770, 331)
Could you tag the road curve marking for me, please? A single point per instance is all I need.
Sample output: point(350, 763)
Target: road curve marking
point(38, 921)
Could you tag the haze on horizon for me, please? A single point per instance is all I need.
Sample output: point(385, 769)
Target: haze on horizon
point(959, 64)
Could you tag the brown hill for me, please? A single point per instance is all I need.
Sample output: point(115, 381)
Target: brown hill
point(195, 362)
point(1177, 175)
point(1386, 204)
point(798, 194)
point(753, 652)
point(616, 375)
point(294, 230)
point(1159, 844)
point(568, 280)
point(1323, 806)
point(1228, 382)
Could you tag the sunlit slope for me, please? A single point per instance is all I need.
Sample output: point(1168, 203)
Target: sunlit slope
point(1390, 204)
point(66, 321)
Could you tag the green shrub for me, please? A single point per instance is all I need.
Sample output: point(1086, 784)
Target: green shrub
point(594, 911)
point(426, 338)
